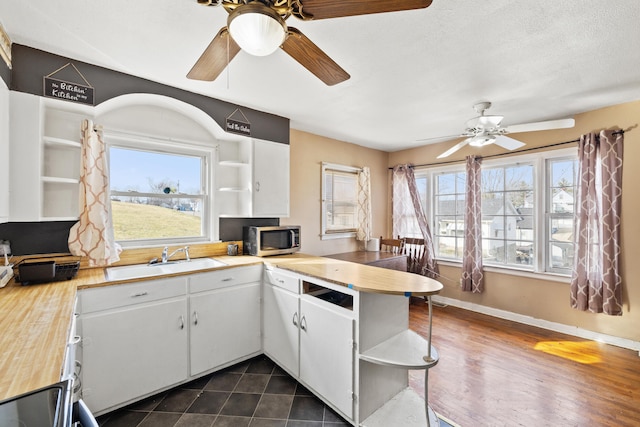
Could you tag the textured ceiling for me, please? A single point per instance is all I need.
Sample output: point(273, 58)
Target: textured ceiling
point(414, 74)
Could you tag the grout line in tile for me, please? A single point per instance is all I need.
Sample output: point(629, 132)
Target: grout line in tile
point(252, 417)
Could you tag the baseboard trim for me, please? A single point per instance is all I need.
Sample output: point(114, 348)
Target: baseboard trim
point(541, 323)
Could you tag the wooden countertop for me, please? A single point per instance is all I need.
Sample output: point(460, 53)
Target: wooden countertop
point(365, 257)
point(364, 278)
point(35, 319)
point(35, 323)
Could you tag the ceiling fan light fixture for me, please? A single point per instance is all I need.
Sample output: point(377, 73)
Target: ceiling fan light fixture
point(257, 29)
point(482, 140)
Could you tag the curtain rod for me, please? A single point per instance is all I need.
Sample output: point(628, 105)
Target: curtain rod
point(618, 132)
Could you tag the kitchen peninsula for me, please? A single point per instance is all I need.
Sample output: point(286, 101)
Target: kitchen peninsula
point(36, 322)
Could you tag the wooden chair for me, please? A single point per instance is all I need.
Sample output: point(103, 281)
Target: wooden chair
point(390, 245)
point(414, 249)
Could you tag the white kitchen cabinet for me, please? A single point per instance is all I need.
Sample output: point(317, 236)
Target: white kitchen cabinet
point(310, 338)
point(270, 179)
point(142, 337)
point(224, 320)
point(225, 326)
point(45, 157)
point(134, 341)
point(252, 178)
point(4, 152)
point(25, 187)
point(280, 327)
point(327, 351)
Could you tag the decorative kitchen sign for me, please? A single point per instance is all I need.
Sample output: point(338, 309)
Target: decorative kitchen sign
point(69, 91)
point(236, 125)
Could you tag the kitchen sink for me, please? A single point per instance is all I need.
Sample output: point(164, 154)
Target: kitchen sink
point(149, 270)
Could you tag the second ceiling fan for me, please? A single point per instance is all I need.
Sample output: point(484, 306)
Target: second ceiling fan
point(484, 130)
point(259, 28)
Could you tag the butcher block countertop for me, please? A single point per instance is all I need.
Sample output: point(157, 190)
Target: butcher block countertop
point(35, 323)
point(35, 319)
point(360, 277)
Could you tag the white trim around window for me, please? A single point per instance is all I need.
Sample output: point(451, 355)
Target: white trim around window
point(335, 231)
point(199, 196)
point(541, 201)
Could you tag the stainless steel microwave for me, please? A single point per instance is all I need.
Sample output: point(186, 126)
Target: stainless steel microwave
point(275, 240)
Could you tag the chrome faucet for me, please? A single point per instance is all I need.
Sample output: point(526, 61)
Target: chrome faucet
point(166, 258)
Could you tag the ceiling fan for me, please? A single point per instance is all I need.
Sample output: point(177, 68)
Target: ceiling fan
point(258, 27)
point(484, 130)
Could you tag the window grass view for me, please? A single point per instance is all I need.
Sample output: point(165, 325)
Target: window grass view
point(132, 221)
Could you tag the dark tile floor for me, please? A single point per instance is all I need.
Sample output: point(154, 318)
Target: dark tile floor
point(255, 393)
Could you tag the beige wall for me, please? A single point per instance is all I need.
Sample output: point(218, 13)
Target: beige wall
point(308, 151)
point(549, 300)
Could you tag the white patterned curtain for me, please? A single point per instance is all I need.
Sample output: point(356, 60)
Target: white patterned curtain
point(403, 213)
point(364, 205)
point(408, 216)
point(596, 284)
point(92, 236)
point(472, 273)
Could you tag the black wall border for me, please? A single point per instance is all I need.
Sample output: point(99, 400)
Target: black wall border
point(30, 65)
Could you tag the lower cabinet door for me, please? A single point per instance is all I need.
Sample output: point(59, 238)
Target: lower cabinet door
point(128, 353)
point(280, 327)
point(326, 352)
point(225, 326)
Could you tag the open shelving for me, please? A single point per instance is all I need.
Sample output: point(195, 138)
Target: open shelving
point(233, 178)
point(61, 158)
point(388, 350)
point(45, 158)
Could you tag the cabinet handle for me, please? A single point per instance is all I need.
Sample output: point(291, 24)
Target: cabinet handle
point(295, 319)
point(280, 281)
point(140, 294)
point(75, 340)
point(181, 322)
point(257, 185)
point(303, 323)
point(195, 317)
point(228, 279)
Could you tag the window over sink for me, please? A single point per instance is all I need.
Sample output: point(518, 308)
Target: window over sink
point(159, 192)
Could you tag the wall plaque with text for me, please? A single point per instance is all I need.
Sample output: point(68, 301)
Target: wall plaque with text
point(75, 92)
point(238, 123)
point(69, 91)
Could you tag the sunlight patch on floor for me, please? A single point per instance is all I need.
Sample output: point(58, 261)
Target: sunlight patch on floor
point(586, 352)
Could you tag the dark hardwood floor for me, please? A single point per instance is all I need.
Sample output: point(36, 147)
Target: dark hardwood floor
point(494, 372)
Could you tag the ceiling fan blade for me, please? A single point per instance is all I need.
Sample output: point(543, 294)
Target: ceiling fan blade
point(508, 143)
point(311, 57)
point(536, 126)
point(215, 57)
point(435, 139)
point(455, 148)
point(323, 9)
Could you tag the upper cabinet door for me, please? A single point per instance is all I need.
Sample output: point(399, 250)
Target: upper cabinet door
point(270, 179)
point(4, 152)
point(25, 185)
